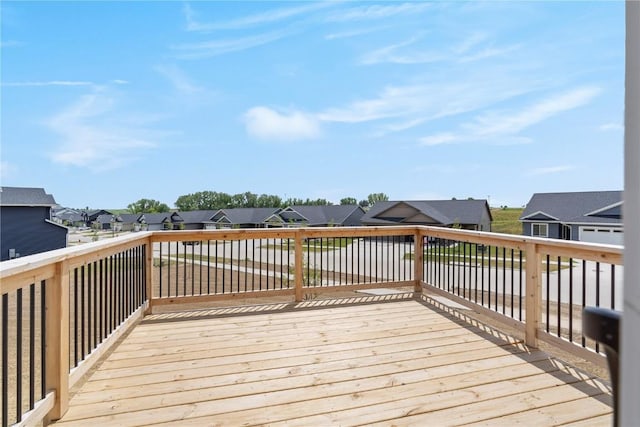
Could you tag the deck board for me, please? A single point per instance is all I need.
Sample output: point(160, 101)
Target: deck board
point(400, 363)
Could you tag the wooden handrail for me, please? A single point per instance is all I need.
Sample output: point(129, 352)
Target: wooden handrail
point(54, 269)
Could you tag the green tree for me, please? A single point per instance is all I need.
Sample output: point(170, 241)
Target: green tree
point(148, 206)
point(376, 197)
point(348, 201)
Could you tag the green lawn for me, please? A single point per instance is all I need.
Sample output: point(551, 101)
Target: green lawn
point(506, 220)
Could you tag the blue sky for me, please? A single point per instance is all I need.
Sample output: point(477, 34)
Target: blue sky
point(104, 103)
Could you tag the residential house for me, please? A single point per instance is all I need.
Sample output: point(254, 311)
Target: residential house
point(132, 222)
point(26, 226)
point(465, 214)
point(194, 220)
point(243, 217)
point(317, 216)
point(157, 221)
point(589, 216)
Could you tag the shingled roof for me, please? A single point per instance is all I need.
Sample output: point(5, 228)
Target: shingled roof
point(443, 212)
point(25, 196)
point(575, 207)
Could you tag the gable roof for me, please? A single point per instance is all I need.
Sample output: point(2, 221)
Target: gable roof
point(319, 215)
point(195, 217)
point(575, 207)
point(437, 212)
point(155, 218)
point(25, 196)
point(245, 215)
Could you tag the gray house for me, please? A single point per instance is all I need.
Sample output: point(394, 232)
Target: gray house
point(465, 214)
point(243, 217)
point(589, 216)
point(317, 216)
point(26, 227)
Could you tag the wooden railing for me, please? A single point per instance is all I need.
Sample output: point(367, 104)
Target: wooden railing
point(62, 310)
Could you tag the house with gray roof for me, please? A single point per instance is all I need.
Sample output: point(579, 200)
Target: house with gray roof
point(317, 216)
point(588, 216)
point(26, 227)
point(157, 221)
point(243, 217)
point(465, 214)
point(195, 220)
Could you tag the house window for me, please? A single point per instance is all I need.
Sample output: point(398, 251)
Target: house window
point(539, 230)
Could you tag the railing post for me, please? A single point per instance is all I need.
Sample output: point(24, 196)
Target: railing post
point(299, 278)
point(57, 340)
point(149, 274)
point(533, 297)
point(418, 261)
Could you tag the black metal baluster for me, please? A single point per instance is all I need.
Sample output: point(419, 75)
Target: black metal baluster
point(75, 317)
point(547, 328)
point(43, 339)
point(559, 306)
point(570, 299)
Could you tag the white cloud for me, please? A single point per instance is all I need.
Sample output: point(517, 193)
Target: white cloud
point(212, 48)
point(10, 43)
point(500, 124)
point(93, 137)
point(179, 79)
point(426, 101)
point(439, 139)
point(551, 170)
point(119, 82)
point(468, 50)
point(390, 54)
point(50, 83)
point(265, 123)
point(502, 128)
point(611, 127)
point(377, 11)
point(257, 19)
point(352, 33)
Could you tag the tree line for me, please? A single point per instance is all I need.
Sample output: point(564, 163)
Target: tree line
point(214, 200)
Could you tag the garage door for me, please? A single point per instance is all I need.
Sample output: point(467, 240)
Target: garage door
point(609, 236)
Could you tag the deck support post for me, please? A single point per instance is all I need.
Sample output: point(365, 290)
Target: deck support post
point(57, 340)
point(533, 297)
point(299, 278)
point(418, 261)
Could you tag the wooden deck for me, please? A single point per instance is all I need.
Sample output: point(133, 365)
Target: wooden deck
point(325, 363)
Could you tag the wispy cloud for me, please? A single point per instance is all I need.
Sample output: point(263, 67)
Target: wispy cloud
point(391, 54)
point(551, 170)
point(50, 83)
point(607, 127)
point(352, 33)
point(10, 43)
point(179, 79)
point(269, 17)
point(93, 136)
point(499, 123)
point(212, 48)
point(423, 102)
point(504, 127)
point(268, 124)
point(371, 12)
point(475, 47)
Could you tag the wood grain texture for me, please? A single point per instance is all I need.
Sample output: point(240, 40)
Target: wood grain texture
point(392, 363)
